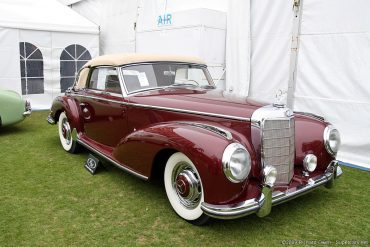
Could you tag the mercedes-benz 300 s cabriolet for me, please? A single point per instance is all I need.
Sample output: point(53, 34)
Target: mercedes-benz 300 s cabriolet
point(220, 155)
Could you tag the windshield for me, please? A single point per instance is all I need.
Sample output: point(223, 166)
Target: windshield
point(152, 76)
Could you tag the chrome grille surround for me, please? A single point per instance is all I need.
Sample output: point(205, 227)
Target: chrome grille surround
point(277, 148)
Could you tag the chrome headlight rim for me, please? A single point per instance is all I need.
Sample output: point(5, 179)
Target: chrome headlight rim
point(328, 130)
point(226, 162)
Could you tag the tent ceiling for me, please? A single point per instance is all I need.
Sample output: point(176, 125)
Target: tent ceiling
point(45, 15)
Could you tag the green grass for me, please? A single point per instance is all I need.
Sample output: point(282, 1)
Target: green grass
point(47, 198)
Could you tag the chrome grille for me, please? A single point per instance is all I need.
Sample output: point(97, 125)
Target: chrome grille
point(278, 147)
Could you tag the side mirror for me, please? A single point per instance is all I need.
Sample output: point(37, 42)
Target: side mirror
point(70, 90)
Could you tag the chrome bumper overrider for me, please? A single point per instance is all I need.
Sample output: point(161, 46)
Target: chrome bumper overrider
point(27, 113)
point(28, 109)
point(262, 205)
point(50, 119)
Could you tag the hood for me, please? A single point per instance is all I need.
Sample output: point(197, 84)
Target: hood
point(200, 100)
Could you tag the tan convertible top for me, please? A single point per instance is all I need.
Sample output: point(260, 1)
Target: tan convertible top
point(130, 58)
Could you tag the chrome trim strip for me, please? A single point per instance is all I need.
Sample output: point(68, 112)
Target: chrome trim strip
point(112, 161)
point(217, 130)
point(310, 115)
point(189, 112)
point(254, 205)
point(101, 99)
point(167, 108)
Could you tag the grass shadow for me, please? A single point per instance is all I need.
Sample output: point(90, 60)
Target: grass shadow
point(11, 130)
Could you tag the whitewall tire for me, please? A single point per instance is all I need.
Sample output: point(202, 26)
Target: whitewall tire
point(184, 188)
point(65, 134)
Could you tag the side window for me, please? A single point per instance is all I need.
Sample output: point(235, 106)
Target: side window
point(32, 69)
point(105, 79)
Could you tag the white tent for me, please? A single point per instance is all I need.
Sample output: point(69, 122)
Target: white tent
point(195, 27)
point(328, 74)
point(42, 44)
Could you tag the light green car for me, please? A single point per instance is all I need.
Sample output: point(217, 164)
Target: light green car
point(13, 108)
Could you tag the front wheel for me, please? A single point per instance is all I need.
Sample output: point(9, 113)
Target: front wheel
point(184, 189)
point(65, 135)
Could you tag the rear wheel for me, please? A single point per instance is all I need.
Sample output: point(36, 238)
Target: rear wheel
point(184, 189)
point(65, 135)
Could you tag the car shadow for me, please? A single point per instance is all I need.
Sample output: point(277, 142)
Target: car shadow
point(11, 130)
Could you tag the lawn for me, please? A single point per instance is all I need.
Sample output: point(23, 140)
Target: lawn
point(47, 198)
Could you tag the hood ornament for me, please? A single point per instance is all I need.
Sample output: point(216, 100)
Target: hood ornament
point(280, 99)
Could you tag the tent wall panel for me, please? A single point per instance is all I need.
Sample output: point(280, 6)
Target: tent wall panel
point(116, 20)
point(10, 77)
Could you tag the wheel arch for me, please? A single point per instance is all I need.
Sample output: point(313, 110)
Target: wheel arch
point(159, 162)
point(70, 107)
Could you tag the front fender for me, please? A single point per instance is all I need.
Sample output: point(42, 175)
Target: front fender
point(204, 148)
point(70, 107)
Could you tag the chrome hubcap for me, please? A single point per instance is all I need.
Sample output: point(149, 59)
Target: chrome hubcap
point(66, 131)
point(187, 185)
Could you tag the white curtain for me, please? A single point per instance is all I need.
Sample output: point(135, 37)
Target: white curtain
point(333, 68)
point(333, 77)
point(238, 47)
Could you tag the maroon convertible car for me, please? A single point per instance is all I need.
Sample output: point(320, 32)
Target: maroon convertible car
point(219, 155)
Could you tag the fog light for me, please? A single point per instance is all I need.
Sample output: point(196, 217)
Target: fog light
point(310, 162)
point(270, 174)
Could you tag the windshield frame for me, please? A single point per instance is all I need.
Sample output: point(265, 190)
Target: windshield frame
point(200, 66)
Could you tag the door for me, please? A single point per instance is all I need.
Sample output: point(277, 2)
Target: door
point(103, 111)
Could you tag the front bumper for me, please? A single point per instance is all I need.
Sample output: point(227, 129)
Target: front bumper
point(262, 205)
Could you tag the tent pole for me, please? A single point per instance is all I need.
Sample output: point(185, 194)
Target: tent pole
point(298, 9)
point(250, 48)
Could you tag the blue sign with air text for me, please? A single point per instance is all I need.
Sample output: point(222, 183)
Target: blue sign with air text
point(164, 20)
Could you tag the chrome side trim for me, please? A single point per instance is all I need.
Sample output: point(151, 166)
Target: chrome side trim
point(310, 115)
point(167, 108)
point(220, 131)
point(189, 112)
point(101, 99)
point(267, 199)
point(111, 161)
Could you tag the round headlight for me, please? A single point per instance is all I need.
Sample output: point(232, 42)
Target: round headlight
point(236, 162)
point(331, 139)
point(270, 174)
point(310, 162)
